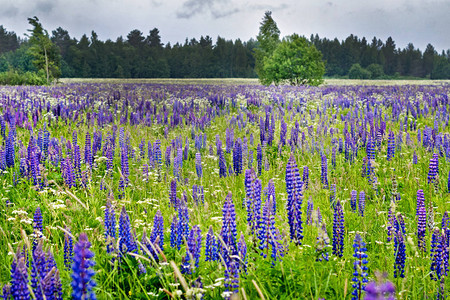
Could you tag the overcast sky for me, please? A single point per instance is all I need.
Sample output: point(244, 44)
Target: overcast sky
point(417, 21)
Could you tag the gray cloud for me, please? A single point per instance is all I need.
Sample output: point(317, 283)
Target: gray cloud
point(217, 8)
point(9, 11)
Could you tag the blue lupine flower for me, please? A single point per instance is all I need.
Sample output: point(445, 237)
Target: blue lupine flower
point(379, 291)
point(259, 158)
point(421, 227)
point(82, 272)
point(391, 145)
point(362, 203)
point(242, 250)
point(294, 202)
point(211, 246)
point(305, 177)
point(198, 164)
point(193, 249)
point(359, 266)
point(127, 242)
point(237, 157)
point(433, 169)
point(338, 230)
point(173, 232)
point(353, 197)
point(19, 279)
point(158, 230)
point(400, 256)
point(68, 249)
point(183, 225)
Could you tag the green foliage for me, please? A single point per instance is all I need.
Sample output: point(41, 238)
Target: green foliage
point(376, 71)
point(14, 77)
point(441, 68)
point(268, 40)
point(45, 52)
point(358, 72)
point(295, 61)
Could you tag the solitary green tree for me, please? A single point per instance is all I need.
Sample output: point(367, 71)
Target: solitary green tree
point(295, 61)
point(45, 53)
point(268, 40)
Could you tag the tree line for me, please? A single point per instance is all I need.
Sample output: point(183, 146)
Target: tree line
point(145, 56)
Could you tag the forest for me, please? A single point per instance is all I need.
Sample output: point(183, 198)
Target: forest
point(145, 56)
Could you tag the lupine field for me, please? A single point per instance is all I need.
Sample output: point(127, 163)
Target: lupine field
point(198, 191)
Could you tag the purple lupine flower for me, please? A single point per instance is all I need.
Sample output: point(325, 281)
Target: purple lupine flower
point(421, 227)
point(68, 249)
point(309, 211)
point(157, 156)
point(242, 251)
point(362, 203)
point(6, 295)
point(294, 201)
point(9, 150)
point(183, 224)
point(324, 174)
point(400, 256)
point(268, 235)
point(69, 173)
point(19, 278)
point(391, 146)
point(380, 291)
point(88, 157)
point(437, 253)
point(353, 196)
point(38, 270)
point(82, 272)
point(168, 153)
point(237, 157)
point(359, 266)
point(37, 220)
point(127, 242)
point(211, 246)
point(415, 157)
point(420, 201)
point(222, 165)
point(228, 231)
point(305, 177)
point(193, 249)
point(254, 206)
point(370, 148)
point(158, 230)
point(198, 164)
point(259, 158)
point(338, 230)
point(229, 249)
point(173, 193)
point(173, 232)
point(433, 169)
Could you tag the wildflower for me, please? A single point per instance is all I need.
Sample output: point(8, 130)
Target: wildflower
point(359, 267)
point(338, 230)
point(82, 272)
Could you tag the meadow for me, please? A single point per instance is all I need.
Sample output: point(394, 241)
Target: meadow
point(208, 189)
